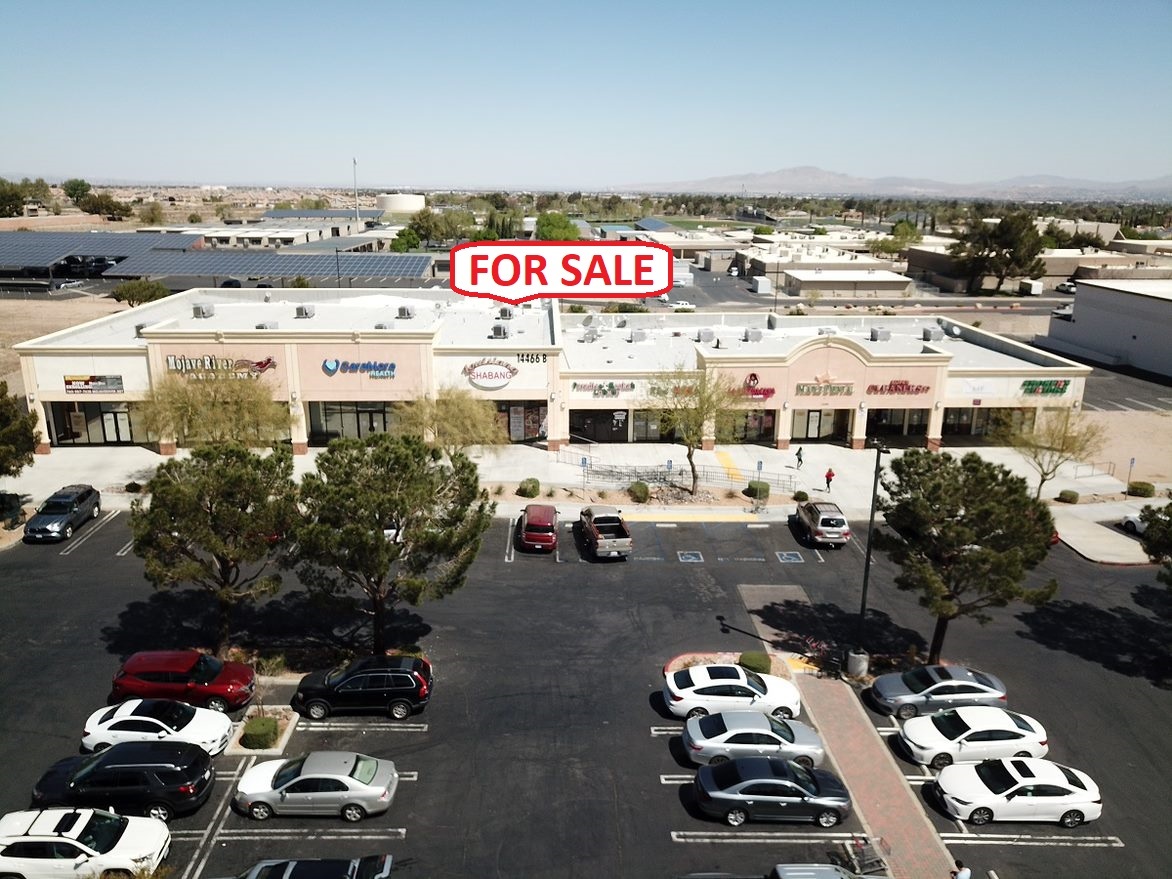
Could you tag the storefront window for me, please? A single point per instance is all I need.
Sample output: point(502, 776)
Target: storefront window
point(645, 427)
point(95, 424)
point(523, 420)
point(328, 421)
point(752, 426)
point(600, 425)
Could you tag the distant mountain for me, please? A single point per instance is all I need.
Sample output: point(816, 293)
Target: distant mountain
point(808, 180)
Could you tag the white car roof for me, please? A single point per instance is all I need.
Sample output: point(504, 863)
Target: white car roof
point(701, 674)
point(42, 822)
point(984, 717)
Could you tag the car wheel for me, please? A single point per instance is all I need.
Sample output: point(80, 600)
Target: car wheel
point(100, 746)
point(217, 704)
point(317, 710)
point(736, 817)
point(68, 532)
point(400, 710)
point(161, 811)
point(353, 813)
point(716, 761)
point(697, 712)
point(1073, 818)
point(783, 713)
point(260, 811)
point(981, 816)
point(805, 760)
point(906, 712)
point(942, 760)
point(1129, 527)
point(97, 510)
point(827, 818)
point(1023, 754)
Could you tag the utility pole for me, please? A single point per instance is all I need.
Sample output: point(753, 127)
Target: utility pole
point(357, 219)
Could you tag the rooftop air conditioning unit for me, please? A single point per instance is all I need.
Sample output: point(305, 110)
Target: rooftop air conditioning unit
point(827, 331)
point(752, 334)
point(500, 331)
point(933, 334)
point(638, 335)
point(880, 334)
point(305, 311)
point(590, 335)
point(705, 335)
point(267, 325)
point(406, 312)
point(384, 326)
point(506, 313)
point(202, 310)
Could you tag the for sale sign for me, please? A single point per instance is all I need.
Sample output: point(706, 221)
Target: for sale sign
point(518, 271)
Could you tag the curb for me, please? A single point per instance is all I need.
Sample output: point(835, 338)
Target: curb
point(235, 750)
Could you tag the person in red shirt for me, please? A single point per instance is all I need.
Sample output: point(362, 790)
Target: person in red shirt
point(829, 479)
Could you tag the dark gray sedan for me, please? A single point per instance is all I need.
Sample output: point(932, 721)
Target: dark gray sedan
point(320, 783)
point(771, 789)
point(935, 688)
point(718, 738)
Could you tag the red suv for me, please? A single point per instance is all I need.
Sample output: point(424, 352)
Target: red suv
point(539, 527)
point(187, 676)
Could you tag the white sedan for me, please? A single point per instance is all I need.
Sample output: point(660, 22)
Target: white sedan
point(1133, 524)
point(971, 734)
point(80, 844)
point(709, 689)
point(1019, 789)
point(157, 720)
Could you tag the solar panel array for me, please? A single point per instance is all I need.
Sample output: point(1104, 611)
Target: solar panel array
point(272, 264)
point(365, 214)
point(651, 224)
point(40, 250)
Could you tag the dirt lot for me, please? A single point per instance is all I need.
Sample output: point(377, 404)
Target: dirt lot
point(1146, 436)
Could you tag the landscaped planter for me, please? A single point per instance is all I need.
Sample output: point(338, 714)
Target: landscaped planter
point(286, 722)
point(779, 667)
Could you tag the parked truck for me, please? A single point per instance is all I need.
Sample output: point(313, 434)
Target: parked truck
point(1029, 288)
point(605, 533)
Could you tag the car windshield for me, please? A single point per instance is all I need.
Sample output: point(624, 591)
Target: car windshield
point(364, 769)
point(55, 508)
point(995, 776)
point(205, 669)
point(176, 715)
point(984, 680)
point(335, 674)
point(87, 766)
point(1019, 721)
point(782, 728)
point(102, 831)
point(683, 679)
point(804, 779)
point(726, 775)
point(712, 725)
point(918, 679)
point(1073, 779)
point(755, 681)
point(950, 725)
point(370, 866)
point(288, 772)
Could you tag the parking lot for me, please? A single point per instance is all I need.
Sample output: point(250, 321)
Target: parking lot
point(546, 750)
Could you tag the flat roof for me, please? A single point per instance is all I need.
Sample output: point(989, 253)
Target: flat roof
point(1153, 288)
point(44, 249)
point(849, 276)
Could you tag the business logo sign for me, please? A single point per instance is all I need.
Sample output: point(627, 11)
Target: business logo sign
point(1054, 387)
point(489, 373)
point(93, 384)
point(369, 368)
point(753, 389)
point(603, 389)
point(898, 386)
point(211, 367)
point(825, 386)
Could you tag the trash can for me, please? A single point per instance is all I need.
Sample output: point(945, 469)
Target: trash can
point(857, 662)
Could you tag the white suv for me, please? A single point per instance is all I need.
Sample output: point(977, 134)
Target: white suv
point(80, 843)
point(823, 522)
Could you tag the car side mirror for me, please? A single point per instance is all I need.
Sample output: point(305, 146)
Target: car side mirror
point(80, 859)
point(162, 735)
point(283, 795)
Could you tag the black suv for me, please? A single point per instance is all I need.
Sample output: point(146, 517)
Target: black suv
point(397, 685)
point(158, 779)
point(68, 508)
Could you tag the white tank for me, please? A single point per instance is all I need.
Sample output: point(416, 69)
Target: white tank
point(400, 202)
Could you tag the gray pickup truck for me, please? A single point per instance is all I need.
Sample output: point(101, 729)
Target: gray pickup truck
point(605, 533)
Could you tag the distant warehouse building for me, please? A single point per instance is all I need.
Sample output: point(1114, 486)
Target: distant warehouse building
point(847, 283)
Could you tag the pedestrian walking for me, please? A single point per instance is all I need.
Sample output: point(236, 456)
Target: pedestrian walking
point(829, 479)
point(961, 871)
point(799, 457)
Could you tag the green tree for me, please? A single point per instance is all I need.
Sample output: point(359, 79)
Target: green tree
point(76, 189)
point(964, 534)
point(140, 291)
point(300, 282)
point(763, 230)
point(151, 213)
point(223, 211)
point(11, 199)
point(36, 190)
point(216, 521)
point(193, 217)
point(218, 407)
point(390, 517)
point(283, 206)
point(1058, 437)
point(103, 204)
point(18, 433)
point(1157, 539)
point(454, 225)
point(452, 421)
point(406, 241)
point(425, 224)
point(1009, 248)
point(693, 404)
point(556, 227)
point(313, 204)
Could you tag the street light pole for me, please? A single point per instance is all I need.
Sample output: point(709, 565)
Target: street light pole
point(880, 451)
point(338, 266)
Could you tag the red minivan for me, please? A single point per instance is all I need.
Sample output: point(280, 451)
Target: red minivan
point(539, 527)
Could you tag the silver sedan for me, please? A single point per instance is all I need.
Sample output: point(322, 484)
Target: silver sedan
point(716, 738)
point(320, 783)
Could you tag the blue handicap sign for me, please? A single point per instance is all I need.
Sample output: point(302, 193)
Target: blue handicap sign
point(790, 558)
point(691, 555)
point(583, 463)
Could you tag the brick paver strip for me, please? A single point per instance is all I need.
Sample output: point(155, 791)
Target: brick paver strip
point(882, 797)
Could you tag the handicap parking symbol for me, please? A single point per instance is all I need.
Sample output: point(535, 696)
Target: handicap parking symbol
point(691, 556)
point(790, 558)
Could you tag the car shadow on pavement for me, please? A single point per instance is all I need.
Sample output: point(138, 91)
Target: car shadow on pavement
point(1121, 639)
point(659, 706)
point(796, 621)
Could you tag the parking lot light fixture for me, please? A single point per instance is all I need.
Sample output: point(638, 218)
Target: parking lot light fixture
point(880, 451)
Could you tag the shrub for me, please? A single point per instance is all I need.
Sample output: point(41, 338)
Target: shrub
point(758, 490)
point(1141, 489)
point(551, 492)
point(577, 309)
point(602, 494)
point(498, 490)
point(801, 497)
point(1068, 496)
point(271, 666)
point(529, 487)
point(730, 494)
point(133, 487)
point(755, 660)
point(259, 733)
point(640, 492)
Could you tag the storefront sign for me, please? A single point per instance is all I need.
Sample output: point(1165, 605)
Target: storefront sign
point(603, 389)
point(93, 384)
point(369, 368)
point(489, 373)
point(209, 367)
point(753, 388)
point(898, 386)
point(1054, 387)
point(824, 386)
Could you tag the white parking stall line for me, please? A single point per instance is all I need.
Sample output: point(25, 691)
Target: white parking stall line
point(888, 730)
point(647, 558)
point(818, 556)
point(676, 779)
point(509, 538)
point(666, 730)
point(758, 525)
point(919, 779)
point(295, 833)
point(741, 559)
point(89, 532)
point(1091, 406)
point(1142, 403)
point(753, 837)
point(342, 725)
point(665, 525)
point(203, 849)
point(1028, 840)
point(125, 549)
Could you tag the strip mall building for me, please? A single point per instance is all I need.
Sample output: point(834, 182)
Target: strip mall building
point(342, 359)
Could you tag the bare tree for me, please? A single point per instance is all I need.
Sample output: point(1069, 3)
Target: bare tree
point(1059, 436)
point(693, 404)
point(218, 406)
point(452, 421)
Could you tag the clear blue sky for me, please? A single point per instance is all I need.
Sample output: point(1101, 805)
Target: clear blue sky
point(566, 94)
